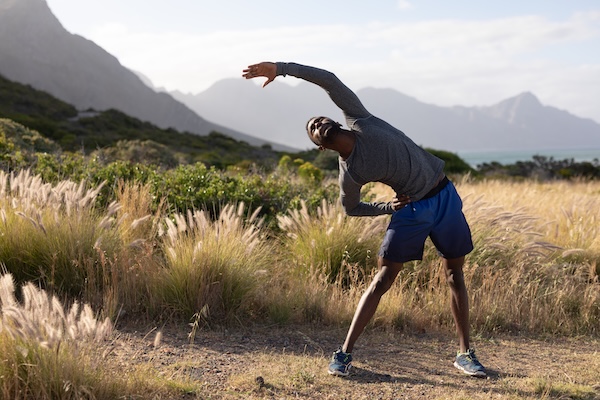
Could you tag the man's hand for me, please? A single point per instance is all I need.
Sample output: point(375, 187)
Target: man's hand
point(400, 202)
point(266, 69)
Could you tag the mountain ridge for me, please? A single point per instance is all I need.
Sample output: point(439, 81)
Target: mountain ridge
point(36, 50)
point(521, 122)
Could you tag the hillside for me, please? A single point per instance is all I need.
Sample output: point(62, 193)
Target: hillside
point(118, 135)
point(36, 50)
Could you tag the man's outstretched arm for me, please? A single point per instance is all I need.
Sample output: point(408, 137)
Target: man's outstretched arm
point(341, 95)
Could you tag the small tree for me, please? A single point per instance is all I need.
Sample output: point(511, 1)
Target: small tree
point(310, 173)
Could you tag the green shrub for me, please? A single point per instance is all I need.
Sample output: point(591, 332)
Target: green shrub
point(18, 145)
point(310, 173)
point(453, 163)
point(146, 152)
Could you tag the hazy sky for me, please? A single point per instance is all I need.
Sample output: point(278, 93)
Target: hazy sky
point(441, 52)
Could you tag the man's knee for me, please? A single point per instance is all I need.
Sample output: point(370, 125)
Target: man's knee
point(454, 270)
point(388, 271)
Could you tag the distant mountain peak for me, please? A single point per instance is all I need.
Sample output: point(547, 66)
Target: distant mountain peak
point(527, 99)
point(28, 4)
point(33, 16)
point(35, 49)
point(515, 108)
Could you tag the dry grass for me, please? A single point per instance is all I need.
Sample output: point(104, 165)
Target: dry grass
point(567, 211)
point(45, 348)
point(50, 234)
point(535, 270)
point(547, 237)
point(213, 268)
point(42, 319)
point(327, 241)
point(326, 258)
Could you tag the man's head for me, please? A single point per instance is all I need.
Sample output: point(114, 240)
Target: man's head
point(322, 130)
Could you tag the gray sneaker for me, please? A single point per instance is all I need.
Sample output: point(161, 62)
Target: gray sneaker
point(469, 364)
point(340, 363)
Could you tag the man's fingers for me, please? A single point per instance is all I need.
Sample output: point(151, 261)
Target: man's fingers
point(251, 72)
point(400, 202)
point(264, 69)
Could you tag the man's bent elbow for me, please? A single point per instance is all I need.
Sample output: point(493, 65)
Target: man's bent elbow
point(352, 212)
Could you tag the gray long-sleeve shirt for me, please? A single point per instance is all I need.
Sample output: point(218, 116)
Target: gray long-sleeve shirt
point(381, 152)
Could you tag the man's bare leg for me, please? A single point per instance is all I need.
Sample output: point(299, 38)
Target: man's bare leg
point(460, 299)
point(388, 271)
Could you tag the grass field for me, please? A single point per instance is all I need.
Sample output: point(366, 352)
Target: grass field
point(233, 295)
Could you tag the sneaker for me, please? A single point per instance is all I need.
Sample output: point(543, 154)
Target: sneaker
point(340, 363)
point(469, 364)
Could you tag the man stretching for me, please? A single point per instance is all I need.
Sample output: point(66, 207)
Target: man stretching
point(426, 202)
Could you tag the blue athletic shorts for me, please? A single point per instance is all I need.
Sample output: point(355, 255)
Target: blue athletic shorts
point(440, 217)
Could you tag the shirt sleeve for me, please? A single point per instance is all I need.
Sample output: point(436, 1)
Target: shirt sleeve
point(350, 198)
point(339, 93)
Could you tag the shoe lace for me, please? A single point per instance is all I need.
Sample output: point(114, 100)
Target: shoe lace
point(342, 357)
point(470, 355)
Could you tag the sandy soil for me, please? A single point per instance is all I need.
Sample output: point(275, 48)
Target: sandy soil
point(291, 363)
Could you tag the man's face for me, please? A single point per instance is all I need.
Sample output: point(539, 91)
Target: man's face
point(318, 129)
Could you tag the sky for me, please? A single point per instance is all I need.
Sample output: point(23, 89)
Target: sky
point(469, 53)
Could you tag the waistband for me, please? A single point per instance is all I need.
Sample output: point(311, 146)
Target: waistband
point(437, 189)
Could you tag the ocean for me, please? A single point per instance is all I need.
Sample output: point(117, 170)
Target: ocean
point(475, 158)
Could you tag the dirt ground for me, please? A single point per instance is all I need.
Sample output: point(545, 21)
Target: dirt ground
point(291, 363)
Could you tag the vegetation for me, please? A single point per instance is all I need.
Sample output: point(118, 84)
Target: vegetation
point(110, 132)
point(213, 267)
point(47, 351)
point(230, 242)
point(535, 239)
point(534, 270)
point(543, 168)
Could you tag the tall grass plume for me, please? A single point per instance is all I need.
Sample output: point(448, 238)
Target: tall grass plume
point(48, 351)
point(214, 268)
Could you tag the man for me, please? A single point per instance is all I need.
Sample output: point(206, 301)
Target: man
point(426, 203)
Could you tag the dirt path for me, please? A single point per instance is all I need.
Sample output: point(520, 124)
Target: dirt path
point(291, 363)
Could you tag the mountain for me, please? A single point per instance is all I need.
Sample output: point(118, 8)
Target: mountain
point(35, 122)
point(518, 123)
point(36, 50)
point(277, 113)
point(280, 112)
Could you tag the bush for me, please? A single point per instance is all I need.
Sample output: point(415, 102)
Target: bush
point(453, 163)
point(53, 234)
point(330, 240)
point(310, 173)
point(213, 268)
point(19, 145)
point(146, 152)
point(47, 350)
point(544, 168)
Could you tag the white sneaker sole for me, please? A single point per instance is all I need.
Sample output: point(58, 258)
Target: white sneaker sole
point(338, 373)
point(477, 373)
